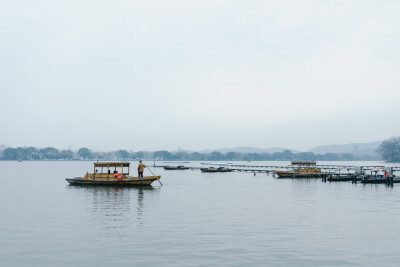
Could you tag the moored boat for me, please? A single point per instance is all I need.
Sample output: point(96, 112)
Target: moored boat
point(337, 177)
point(301, 169)
point(340, 175)
point(374, 180)
point(379, 175)
point(180, 167)
point(111, 173)
point(380, 180)
point(213, 169)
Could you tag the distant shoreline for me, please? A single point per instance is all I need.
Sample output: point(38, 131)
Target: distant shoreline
point(51, 153)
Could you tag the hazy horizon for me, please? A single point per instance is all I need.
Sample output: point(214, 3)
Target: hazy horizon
point(198, 75)
point(204, 150)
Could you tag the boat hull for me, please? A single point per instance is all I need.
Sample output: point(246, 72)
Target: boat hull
point(134, 181)
point(215, 170)
point(284, 174)
point(175, 168)
point(380, 180)
point(342, 178)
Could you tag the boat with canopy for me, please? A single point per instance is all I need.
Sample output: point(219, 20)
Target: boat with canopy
point(301, 169)
point(112, 173)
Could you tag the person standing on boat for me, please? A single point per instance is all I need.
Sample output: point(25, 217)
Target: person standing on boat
point(140, 169)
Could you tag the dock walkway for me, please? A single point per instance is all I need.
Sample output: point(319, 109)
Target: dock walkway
point(271, 168)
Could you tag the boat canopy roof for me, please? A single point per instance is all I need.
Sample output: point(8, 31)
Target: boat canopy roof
point(111, 164)
point(304, 163)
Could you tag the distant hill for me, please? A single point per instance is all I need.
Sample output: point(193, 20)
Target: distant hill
point(357, 149)
point(353, 148)
point(249, 150)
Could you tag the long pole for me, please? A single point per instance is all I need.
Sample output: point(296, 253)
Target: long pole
point(154, 175)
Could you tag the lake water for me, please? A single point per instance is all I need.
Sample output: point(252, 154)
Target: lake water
point(194, 219)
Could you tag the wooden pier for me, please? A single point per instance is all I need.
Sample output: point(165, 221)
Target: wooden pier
point(271, 168)
point(332, 172)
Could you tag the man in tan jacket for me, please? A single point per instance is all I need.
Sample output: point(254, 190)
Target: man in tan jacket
point(140, 169)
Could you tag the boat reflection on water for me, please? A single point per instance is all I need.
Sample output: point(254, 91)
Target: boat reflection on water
point(112, 206)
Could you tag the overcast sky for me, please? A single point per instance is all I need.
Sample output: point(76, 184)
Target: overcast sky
point(150, 75)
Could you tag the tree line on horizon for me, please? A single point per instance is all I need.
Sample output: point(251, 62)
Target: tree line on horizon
point(389, 150)
point(50, 153)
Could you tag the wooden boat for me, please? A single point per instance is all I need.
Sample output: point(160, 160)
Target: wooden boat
point(301, 169)
point(380, 175)
point(213, 169)
point(342, 177)
point(111, 173)
point(369, 179)
point(180, 167)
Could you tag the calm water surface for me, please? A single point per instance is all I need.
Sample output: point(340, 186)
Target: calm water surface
point(194, 219)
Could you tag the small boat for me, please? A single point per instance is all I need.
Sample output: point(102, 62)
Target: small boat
point(342, 177)
point(339, 175)
point(379, 175)
point(180, 167)
point(379, 180)
point(216, 163)
point(176, 162)
point(111, 173)
point(213, 169)
point(301, 169)
point(367, 179)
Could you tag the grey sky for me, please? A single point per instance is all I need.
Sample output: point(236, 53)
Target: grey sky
point(147, 75)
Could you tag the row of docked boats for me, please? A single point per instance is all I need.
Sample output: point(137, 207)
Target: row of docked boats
point(306, 169)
